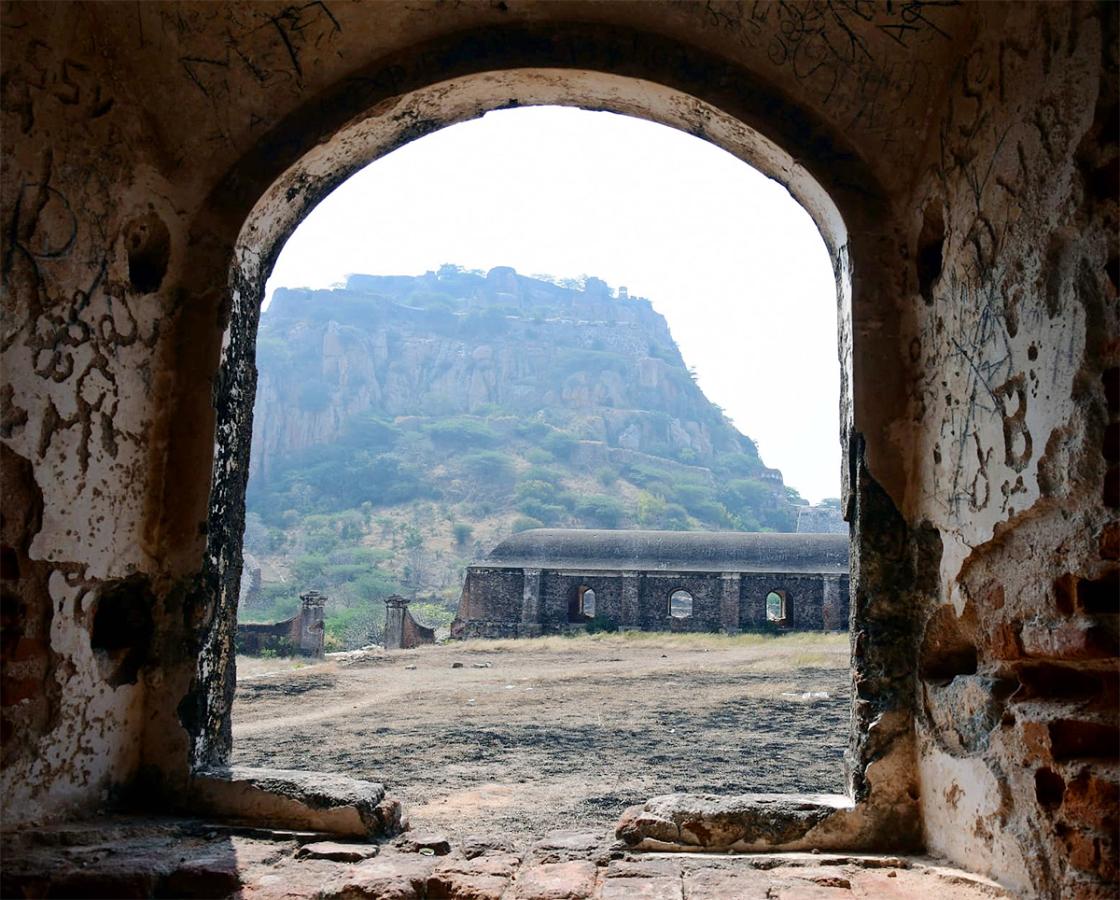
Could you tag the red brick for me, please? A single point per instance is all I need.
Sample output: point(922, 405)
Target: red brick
point(1110, 541)
point(1036, 741)
point(1082, 850)
point(29, 648)
point(1065, 590)
point(15, 690)
point(1068, 640)
point(1092, 801)
point(1056, 681)
point(1005, 642)
point(1074, 739)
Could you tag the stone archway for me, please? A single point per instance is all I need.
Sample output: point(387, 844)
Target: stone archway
point(267, 195)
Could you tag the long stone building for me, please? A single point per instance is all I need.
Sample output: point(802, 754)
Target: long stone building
point(551, 580)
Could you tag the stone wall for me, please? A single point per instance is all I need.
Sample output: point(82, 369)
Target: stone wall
point(402, 632)
point(519, 602)
point(481, 616)
point(961, 163)
point(302, 634)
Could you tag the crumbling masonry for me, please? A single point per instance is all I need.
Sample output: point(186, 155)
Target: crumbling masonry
point(961, 163)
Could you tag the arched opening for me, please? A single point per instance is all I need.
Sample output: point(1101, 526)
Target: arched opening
point(776, 607)
point(315, 170)
point(582, 606)
point(680, 604)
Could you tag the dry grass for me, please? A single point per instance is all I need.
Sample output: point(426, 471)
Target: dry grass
point(826, 643)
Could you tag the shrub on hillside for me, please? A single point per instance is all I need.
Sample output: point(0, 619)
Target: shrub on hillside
point(601, 510)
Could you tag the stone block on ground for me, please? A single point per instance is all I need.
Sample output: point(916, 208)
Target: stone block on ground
point(317, 801)
point(481, 844)
point(641, 879)
point(428, 842)
point(562, 846)
point(747, 822)
point(641, 889)
point(723, 884)
point(482, 878)
point(556, 881)
point(391, 876)
point(336, 851)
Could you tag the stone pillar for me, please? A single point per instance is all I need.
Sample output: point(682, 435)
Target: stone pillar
point(831, 615)
point(395, 609)
point(630, 608)
point(530, 624)
point(729, 602)
point(311, 624)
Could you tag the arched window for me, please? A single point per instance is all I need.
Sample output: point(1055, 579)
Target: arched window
point(582, 604)
point(776, 606)
point(680, 604)
point(587, 602)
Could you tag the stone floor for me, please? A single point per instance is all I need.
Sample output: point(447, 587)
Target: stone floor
point(132, 857)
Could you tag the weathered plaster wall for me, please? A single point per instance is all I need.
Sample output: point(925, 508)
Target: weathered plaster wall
point(1014, 240)
point(961, 163)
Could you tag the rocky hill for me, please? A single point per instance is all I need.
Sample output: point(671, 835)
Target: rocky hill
point(404, 425)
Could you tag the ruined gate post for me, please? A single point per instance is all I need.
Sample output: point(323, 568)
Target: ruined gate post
point(311, 625)
point(395, 609)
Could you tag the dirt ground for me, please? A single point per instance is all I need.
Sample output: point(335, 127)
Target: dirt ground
point(532, 736)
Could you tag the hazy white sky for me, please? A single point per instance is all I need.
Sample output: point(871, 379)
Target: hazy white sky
point(727, 256)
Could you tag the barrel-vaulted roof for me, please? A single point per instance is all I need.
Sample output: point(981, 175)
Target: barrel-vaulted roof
point(672, 551)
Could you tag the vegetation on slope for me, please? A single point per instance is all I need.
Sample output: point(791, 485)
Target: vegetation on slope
point(405, 425)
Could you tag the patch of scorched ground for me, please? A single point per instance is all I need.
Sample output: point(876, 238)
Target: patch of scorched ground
point(537, 735)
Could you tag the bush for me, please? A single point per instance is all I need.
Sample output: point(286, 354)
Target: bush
point(674, 516)
point(461, 431)
point(560, 444)
point(535, 489)
point(606, 476)
point(489, 466)
point(309, 567)
point(524, 523)
point(602, 624)
point(462, 532)
point(547, 513)
point(601, 510)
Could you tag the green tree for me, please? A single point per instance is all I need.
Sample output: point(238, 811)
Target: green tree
point(601, 510)
point(462, 532)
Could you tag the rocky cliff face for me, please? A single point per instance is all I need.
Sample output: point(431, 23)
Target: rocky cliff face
point(603, 368)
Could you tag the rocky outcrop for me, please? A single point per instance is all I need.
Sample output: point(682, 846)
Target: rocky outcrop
point(454, 343)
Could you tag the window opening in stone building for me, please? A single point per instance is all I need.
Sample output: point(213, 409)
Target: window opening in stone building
point(680, 604)
point(776, 607)
point(582, 605)
point(452, 430)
